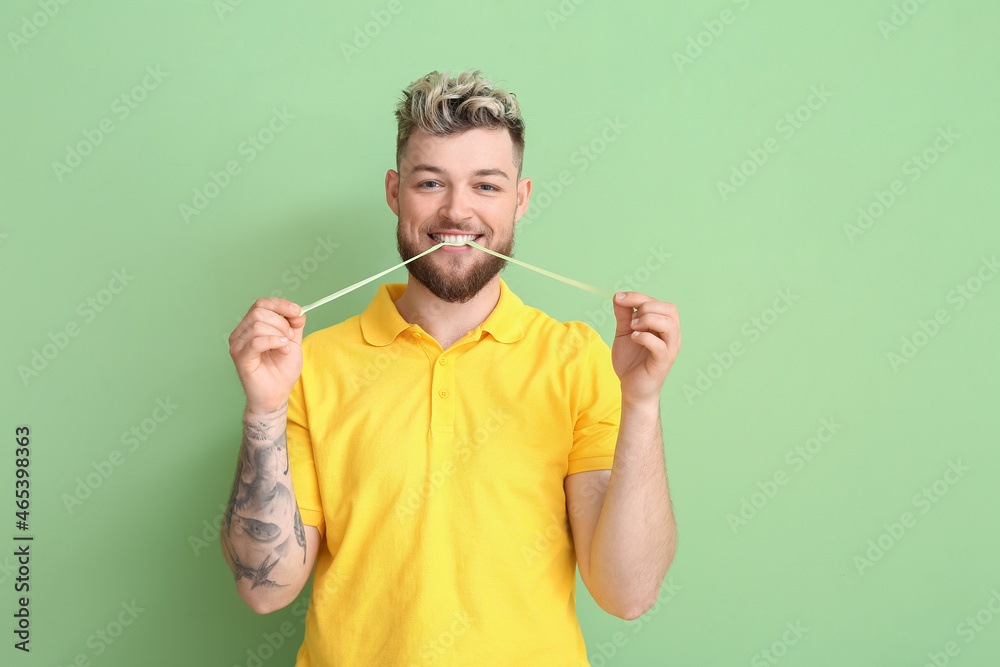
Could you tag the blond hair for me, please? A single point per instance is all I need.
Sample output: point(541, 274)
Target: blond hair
point(440, 105)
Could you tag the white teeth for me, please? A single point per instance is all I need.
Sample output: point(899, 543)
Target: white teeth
point(453, 238)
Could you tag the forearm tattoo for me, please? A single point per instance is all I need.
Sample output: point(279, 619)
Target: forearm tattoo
point(260, 503)
point(258, 576)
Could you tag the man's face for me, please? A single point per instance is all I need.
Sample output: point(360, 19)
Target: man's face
point(457, 185)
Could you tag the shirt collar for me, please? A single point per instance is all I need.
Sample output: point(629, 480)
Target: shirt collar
point(381, 321)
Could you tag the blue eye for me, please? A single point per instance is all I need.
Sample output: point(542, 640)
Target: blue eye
point(427, 183)
point(491, 187)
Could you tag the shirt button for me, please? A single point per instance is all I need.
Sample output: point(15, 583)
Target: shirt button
point(443, 393)
point(443, 361)
point(416, 334)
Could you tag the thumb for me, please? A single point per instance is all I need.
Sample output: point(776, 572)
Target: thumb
point(297, 322)
point(623, 313)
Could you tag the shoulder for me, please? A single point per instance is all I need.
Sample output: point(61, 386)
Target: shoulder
point(325, 342)
point(570, 339)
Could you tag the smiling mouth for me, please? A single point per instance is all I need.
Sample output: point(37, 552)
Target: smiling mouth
point(455, 238)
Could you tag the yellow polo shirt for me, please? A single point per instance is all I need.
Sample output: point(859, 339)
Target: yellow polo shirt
point(436, 477)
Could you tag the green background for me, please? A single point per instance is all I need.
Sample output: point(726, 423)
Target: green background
point(730, 423)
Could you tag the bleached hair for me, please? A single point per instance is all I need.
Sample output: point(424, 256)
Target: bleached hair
point(440, 105)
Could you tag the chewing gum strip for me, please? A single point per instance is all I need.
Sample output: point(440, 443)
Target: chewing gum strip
point(351, 288)
point(568, 281)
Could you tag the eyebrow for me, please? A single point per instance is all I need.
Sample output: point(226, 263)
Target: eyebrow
point(492, 171)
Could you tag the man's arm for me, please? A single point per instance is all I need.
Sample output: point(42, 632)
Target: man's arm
point(622, 519)
point(269, 550)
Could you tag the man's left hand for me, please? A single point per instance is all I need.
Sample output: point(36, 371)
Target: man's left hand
point(647, 340)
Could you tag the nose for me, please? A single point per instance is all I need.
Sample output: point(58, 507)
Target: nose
point(456, 206)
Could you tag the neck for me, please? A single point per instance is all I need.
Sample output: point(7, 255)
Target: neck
point(446, 322)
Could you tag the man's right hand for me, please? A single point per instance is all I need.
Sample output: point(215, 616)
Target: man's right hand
point(266, 347)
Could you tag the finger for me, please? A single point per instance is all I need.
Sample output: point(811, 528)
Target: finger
point(278, 320)
point(245, 329)
point(248, 357)
point(625, 304)
point(654, 322)
point(259, 327)
point(292, 312)
point(659, 307)
point(296, 318)
point(657, 347)
point(262, 344)
point(278, 305)
point(248, 347)
point(632, 299)
point(298, 324)
point(281, 308)
point(624, 307)
point(659, 325)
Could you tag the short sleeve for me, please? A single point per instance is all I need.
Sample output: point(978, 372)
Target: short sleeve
point(598, 410)
point(300, 460)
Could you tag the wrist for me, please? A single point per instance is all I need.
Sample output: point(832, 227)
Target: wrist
point(255, 412)
point(649, 407)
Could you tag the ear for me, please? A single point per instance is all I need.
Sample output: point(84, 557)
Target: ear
point(523, 194)
point(392, 190)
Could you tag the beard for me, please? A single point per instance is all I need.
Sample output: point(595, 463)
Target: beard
point(456, 278)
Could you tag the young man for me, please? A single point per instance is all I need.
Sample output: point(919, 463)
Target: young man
point(455, 453)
